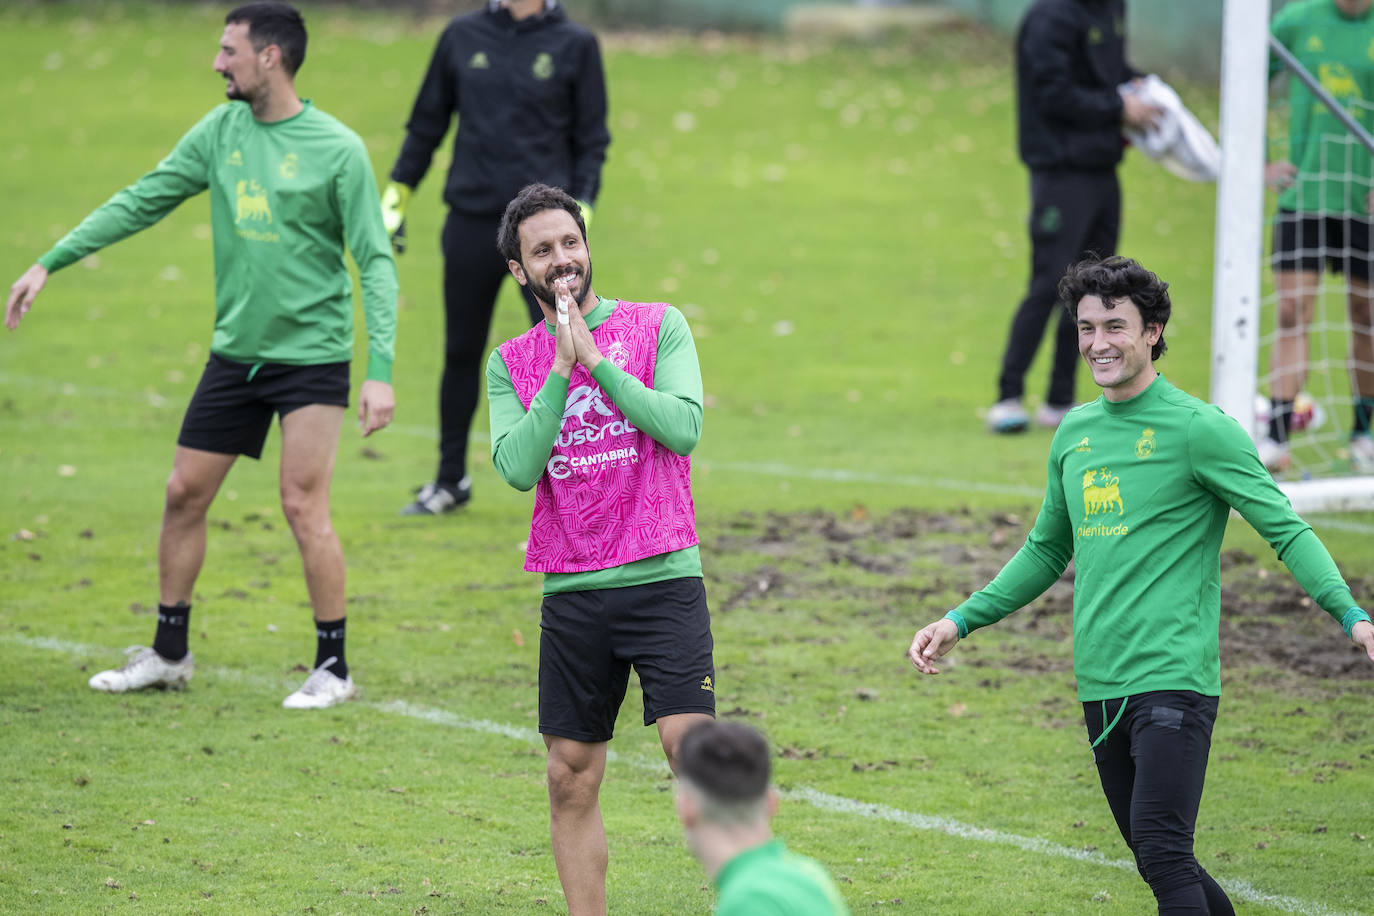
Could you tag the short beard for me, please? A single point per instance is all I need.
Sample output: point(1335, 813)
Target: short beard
point(546, 294)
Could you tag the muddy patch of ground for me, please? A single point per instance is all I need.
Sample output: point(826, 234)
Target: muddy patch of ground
point(909, 560)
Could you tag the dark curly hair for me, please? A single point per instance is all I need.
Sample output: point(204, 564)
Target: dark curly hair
point(1115, 278)
point(532, 199)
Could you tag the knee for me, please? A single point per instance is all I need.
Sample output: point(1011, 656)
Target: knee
point(185, 497)
point(1290, 312)
point(305, 512)
point(1165, 866)
point(571, 784)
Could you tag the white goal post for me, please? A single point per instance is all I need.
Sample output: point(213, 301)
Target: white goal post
point(1236, 299)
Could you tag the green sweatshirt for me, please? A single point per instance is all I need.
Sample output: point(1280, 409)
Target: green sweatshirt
point(669, 411)
point(1138, 496)
point(769, 880)
point(285, 197)
point(1335, 169)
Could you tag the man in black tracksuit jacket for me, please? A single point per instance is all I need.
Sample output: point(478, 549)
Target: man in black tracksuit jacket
point(528, 87)
point(1070, 61)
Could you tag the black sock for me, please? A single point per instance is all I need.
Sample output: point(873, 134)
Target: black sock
point(329, 643)
point(1364, 407)
point(172, 625)
point(1280, 418)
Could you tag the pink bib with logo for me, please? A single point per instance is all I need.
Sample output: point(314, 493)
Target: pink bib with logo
point(610, 494)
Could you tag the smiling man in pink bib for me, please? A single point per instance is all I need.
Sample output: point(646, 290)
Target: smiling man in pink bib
point(597, 408)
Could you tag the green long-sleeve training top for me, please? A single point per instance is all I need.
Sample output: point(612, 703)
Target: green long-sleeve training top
point(1138, 496)
point(285, 198)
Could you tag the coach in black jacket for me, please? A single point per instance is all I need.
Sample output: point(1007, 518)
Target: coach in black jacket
point(530, 94)
point(1070, 61)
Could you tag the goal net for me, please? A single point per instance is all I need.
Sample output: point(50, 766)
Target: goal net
point(1309, 361)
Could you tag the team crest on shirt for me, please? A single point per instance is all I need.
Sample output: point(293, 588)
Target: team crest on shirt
point(1145, 445)
point(543, 65)
point(618, 354)
point(290, 166)
point(1314, 43)
point(479, 61)
point(235, 158)
point(1083, 446)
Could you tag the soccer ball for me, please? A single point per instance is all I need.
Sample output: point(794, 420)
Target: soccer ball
point(1307, 414)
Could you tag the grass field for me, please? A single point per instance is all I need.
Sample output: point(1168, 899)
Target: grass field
point(843, 228)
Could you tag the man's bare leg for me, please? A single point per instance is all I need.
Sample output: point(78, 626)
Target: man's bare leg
point(196, 478)
point(575, 770)
point(310, 441)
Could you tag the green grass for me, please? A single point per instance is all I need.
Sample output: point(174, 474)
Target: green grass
point(844, 228)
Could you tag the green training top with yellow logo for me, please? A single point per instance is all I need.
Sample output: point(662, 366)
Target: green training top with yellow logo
point(285, 198)
point(1138, 496)
point(1334, 168)
point(769, 880)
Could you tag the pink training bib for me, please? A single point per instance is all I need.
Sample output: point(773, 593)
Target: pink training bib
point(610, 494)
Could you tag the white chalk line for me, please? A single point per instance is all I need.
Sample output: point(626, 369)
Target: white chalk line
point(1239, 890)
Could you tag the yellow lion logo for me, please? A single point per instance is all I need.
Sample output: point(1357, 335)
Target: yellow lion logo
point(252, 202)
point(1101, 497)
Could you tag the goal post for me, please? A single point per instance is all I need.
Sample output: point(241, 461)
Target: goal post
point(1237, 320)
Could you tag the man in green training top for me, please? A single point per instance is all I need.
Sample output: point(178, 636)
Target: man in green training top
point(725, 803)
point(1141, 483)
point(289, 187)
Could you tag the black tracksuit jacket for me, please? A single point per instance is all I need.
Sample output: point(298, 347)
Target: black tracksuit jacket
point(1070, 57)
point(531, 103)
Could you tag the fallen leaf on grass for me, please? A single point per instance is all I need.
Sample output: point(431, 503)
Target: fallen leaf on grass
point(518, 638)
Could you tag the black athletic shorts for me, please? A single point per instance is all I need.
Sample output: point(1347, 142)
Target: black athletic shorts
point(1307, 242)
point(231, 411)
point(590, 640)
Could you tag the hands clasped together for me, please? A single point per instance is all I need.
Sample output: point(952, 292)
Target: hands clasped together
point(575, 343)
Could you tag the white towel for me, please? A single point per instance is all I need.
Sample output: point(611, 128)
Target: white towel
point(1178, 140)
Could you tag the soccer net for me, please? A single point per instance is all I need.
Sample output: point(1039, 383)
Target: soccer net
point(1310, 362)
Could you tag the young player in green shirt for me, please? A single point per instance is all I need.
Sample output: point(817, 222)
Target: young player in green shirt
point(1141, 483)
point(725, 802)
point(290, 187)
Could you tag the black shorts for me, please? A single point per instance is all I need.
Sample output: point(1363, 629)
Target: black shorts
point(231, 411)
point(1304, 241)
point(590, 639)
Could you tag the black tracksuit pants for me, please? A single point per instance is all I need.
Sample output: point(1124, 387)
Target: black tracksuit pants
point(1152, 764)
point(1073, 213)
point(473, 271)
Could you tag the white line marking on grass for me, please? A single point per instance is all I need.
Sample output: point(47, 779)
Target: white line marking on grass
point(1239, 890)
